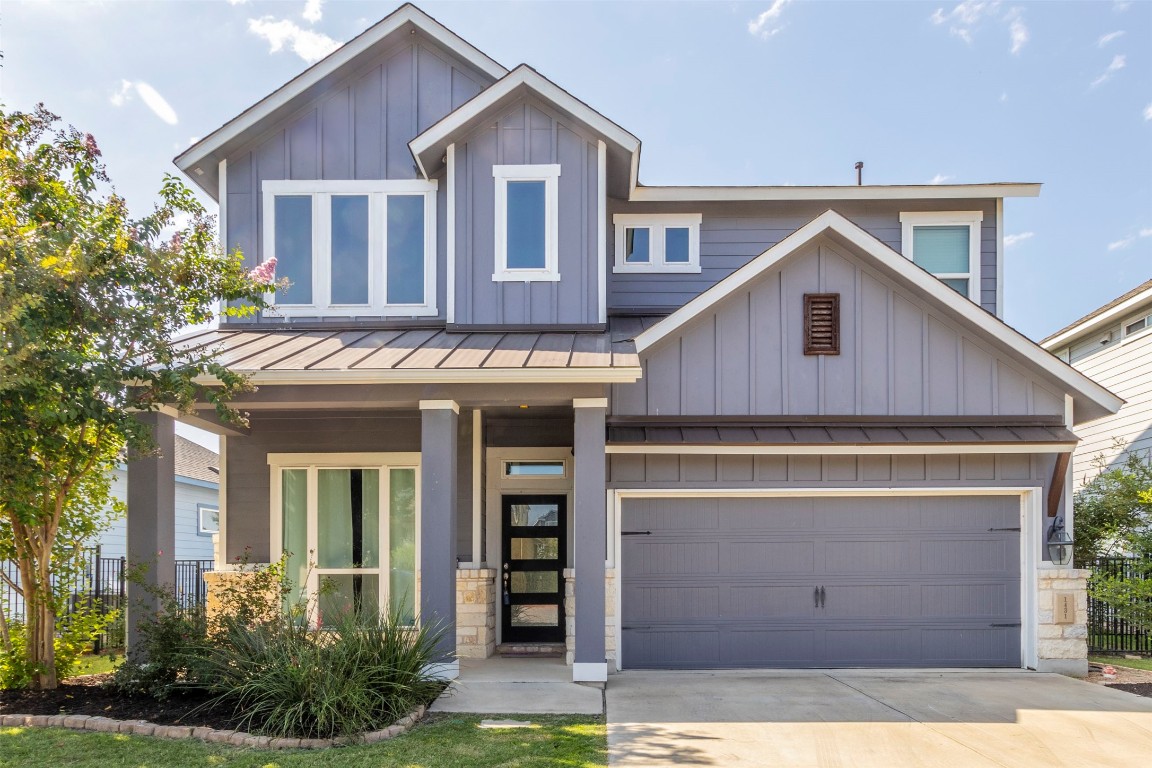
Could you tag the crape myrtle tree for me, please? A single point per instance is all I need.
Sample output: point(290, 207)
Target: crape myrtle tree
point(90, 300)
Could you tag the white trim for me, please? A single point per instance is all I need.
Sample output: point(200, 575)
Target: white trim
point(870, 192)
point(361, 458)
point(1000, 258)
point(505, 475)
point(450, 226)
point(830, 221)
point(1096, 323)
point(440, 405)
point(477, 486)
point(550, 175)
point(657, 225)
point(200, 510)
point(329, 65)
point(589, 672)
point(601, 231)
point(526, 77)
point(221, 544)
point(1030, 518)
point(618, 375)
point(971, 219)
point(589, 402)
point(844, 449)
point(222, 219)
point(378, 193)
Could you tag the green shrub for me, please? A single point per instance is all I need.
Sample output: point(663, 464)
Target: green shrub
point(292, 679)
point(74, 635)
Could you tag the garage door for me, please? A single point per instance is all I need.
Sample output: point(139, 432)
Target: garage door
point(835, 582)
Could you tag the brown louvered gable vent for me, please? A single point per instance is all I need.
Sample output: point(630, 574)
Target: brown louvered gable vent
point(821, 323)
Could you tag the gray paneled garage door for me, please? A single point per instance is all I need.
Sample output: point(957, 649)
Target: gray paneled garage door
point(797, 582)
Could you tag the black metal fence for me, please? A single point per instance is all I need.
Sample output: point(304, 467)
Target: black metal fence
point(100, 583)
point(1107, 632)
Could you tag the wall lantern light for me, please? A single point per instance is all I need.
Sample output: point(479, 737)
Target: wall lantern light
point(1059, 543)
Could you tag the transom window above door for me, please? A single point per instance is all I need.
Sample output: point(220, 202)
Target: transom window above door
point(657, 242)
point(947, 244)
point(351, 248)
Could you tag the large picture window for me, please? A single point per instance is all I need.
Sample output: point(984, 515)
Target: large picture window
point(526, 223)
point(352, 247)
point(348, 526)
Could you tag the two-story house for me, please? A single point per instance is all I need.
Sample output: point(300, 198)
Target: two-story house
point(743, 426)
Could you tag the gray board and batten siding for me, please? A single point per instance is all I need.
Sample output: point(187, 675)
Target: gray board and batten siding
point(829, 582)
point(734, 233)
point(900, 355)
point(358, 128)
point(528, 133)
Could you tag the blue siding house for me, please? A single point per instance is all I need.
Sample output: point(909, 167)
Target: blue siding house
point(512, 389)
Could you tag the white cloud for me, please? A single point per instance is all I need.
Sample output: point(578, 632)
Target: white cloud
point(768, 23)
point(963, 20)
point(1119, 6)
point(237, 2)
point(1118, 63)
point(1146, 232)
point(193, 140)
point(1118, 244)
point(312, 10)
point(1003, 96)
point(1011, 240)
point(305, 43)
point(149, 95)
point(1148, 112)
point(940, 179)
point(1105, 39)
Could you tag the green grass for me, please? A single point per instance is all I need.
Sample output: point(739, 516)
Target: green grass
point(1120, 661)
point(446, 741)
point(92, 664)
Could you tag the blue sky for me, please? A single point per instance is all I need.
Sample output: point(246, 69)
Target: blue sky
point(773, 92)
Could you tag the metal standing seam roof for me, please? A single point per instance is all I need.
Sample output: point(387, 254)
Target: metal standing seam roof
point(840, 434)
point(420, 349)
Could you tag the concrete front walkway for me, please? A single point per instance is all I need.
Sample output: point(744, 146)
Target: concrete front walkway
point(519, 686)
point(873, 719)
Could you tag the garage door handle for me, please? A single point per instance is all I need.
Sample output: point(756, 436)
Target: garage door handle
point(1004, 529)
point(816, 596)
point(822, 597)
point(635, 533)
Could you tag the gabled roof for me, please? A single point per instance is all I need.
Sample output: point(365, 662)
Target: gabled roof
point(196, 462)
point(1121, 305)
point(428, 148)
point(1091, 400)
point(200, 160)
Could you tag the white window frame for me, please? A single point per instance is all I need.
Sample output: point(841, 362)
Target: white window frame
point(378, 192)
point(506, 475)
point(200, 510)
point(550, 175)
point(1125, 335)
point(657, 224)
point(972, 219)
point(312, 463)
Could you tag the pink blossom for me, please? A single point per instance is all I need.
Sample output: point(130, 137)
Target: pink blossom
point(90, 146)
point(264, 273)
point(177, 241)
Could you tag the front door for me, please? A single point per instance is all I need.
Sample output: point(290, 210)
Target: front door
point(533, 570)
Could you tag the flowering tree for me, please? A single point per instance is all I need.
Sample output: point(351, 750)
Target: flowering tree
point(90, 301)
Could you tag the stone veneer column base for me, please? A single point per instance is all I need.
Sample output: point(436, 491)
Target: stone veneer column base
point(475, 613)
point(1062, 648)
point(609, 617)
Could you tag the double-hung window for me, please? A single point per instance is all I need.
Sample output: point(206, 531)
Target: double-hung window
point(947, 244)
point(352, 247)
point(660, 242)
point(527, 228)
point(348, 525)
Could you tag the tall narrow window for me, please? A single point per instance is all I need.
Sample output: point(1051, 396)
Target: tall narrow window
point(526, 222)
point(947, 244)
point(349, 231)
point(406, 249)
point(293, 234)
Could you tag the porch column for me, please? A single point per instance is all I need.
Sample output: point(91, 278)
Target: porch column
point(151, 523)
point(589, 532)
point(438, 430)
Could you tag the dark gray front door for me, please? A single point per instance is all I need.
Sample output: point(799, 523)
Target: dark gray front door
point(836, 582)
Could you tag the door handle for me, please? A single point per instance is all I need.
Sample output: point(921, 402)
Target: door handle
point(816, 596)
point(822, 597)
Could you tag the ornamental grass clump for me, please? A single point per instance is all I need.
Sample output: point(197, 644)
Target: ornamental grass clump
point(361, 672)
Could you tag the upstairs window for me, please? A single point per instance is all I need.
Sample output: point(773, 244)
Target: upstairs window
point(947, 244)
point(526, 223)
point(660, 242)
point(1137, 325)
point(352, 247)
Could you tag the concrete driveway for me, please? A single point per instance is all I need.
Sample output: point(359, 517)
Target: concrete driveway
point(873, 719)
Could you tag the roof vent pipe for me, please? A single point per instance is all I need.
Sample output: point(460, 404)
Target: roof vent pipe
point(859, 173)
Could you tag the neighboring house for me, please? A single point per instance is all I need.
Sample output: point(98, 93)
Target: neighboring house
point(1113, 345)
point(197, 504)
point(514, 390)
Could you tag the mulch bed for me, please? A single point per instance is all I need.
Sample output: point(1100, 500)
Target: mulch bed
point(90, 696)
point(1140, 689)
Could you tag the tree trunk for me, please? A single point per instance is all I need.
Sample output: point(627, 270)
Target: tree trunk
point(40, 615)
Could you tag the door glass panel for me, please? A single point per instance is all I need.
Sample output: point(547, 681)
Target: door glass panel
point(342, 594)
point(402, 542)
point(350, 249)
point(294, 503)
point(636, 245)
point(535, 615)
point(535, 514)
point(293, 233)
point(535, 549)
point(405, 249)
point(535, 581)
point(525, 225)
point(348, 518)
point(676, 245)
point(941, 249)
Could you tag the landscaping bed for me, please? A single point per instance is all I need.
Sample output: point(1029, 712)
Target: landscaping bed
point(1129, 679)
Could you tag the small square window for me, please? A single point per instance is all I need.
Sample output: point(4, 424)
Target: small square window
point(208, 521)
point(636, 245)
point(657, 242)
point(946, 244)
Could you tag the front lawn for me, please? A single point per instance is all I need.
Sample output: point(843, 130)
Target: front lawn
point(97, 664)
point(1120, 661)
point(440, 741)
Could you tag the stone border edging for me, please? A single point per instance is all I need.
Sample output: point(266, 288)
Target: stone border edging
point(202, 733)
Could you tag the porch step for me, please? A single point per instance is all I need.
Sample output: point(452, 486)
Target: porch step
point(538, 650)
